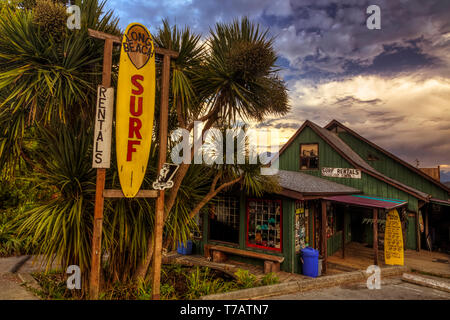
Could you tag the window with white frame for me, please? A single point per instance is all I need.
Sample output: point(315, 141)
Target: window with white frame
point(224, 219)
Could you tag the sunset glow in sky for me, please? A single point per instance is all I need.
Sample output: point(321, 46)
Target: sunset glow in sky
point(391, 86)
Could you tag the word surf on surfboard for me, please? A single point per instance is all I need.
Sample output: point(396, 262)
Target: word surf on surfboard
point(135, 107)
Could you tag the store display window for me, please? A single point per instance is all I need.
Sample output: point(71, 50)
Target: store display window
point(302, 237)
point(264, 224)
point(224, 220)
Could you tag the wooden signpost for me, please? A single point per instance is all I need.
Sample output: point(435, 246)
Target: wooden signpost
point(100, 192)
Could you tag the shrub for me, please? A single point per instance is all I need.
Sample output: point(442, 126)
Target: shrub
point(270, 278)
point(51, 17)
point(244, 279)
point(10, 244)
point(168, 292)
point(201, 283)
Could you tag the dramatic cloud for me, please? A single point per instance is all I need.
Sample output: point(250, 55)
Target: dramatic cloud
point(407, 115)
point(390, 85)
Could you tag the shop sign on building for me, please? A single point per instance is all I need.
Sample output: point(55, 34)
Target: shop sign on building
point(342, 173)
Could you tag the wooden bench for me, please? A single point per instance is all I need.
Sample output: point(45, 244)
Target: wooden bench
point(219, 254)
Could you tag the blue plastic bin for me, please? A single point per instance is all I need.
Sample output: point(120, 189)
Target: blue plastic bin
point(185, 248)
point(310, 257)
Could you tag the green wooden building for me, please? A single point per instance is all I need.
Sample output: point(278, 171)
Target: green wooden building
point(336, 188)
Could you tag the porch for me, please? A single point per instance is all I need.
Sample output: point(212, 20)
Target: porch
point(229, 267)
point(358, 256)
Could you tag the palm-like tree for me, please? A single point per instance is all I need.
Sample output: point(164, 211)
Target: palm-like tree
point(46, 75)
point(47, 98)
point(231, 77)
point(48, 78)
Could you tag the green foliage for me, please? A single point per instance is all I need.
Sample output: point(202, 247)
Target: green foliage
point(10, 244)
point(48, 82)
point(44, 77)
point(190, 55)
point(51, 17)
point(244, 279)
point(168, 292)
point(16, 196)
point(201, 283)
point(54, 287)
point(59, 228)
point(178, 282)
point(269, 279)
point(239, 76)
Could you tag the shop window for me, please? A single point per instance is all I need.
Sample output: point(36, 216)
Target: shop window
point(302, 237)
point(264, 224)
point(197, 233)
point(371, 157)
point(309, 156)
point(224, 220)
point(331, 223)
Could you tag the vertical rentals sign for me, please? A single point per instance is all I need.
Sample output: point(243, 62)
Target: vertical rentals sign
point(103, 126)
point(135, 107)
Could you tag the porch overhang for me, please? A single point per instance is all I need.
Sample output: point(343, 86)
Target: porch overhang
point(309, 195)
point(440, 202)
point(368, 201)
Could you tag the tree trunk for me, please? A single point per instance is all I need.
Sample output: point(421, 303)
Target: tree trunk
point(141, 271)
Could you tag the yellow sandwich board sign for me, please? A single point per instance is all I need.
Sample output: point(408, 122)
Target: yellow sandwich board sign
point(135, 107)
point(393, 239)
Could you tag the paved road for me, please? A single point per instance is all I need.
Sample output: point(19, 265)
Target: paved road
point(391, 289)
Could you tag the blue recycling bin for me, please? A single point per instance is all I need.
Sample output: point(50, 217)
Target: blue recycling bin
point(310, 257)
point(185, 248)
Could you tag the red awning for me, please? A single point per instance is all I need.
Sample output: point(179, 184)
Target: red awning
point(368, 201)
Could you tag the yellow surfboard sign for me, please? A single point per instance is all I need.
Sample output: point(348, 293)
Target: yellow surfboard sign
point(393, 240)
point(135, 107)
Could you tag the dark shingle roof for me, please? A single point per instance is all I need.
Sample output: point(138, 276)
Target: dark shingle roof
point(305, 183)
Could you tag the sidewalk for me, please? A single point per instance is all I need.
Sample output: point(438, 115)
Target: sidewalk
point(12, 278)
point(303, 285)
point(358, 257)
point(11, 288)
point(431, 263)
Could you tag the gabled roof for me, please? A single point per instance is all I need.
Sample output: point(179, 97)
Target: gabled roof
point(351, 156)
point(335, 123)
point(307, 184)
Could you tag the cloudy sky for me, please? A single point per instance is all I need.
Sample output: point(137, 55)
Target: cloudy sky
point(391, 85)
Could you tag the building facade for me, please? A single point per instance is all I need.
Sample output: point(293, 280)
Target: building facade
point(336, 188)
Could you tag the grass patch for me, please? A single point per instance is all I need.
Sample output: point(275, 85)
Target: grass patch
point(177, 283)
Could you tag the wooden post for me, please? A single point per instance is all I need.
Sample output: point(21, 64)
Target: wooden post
point(101, 193)
point(375, 236)
point(427, 228)
point(96, 254)
point(324, 236)
point(343, 232)
point(159, 218)
point(417, 231)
